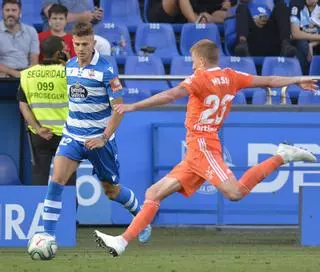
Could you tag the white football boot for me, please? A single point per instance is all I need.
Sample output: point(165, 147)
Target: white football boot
point(115, 245)
point(291, 153)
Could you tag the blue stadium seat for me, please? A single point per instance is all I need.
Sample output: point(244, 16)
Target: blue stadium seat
point(239, 99)
point(242, 64)
point(125, 12)
point(132, 95)
point(309, 98)
point(145, 10)
point(8, 171)
point(315, 66)
point(151, 65)
point(114, 33)
point(191, 33)
point(159, 36)
point(31, 13)
point(281, 66)
point(259, 97)
point(113, 62)
point(230, 34)
point(181, 65)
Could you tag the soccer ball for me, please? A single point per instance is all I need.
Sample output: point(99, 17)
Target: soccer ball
point(42, 246)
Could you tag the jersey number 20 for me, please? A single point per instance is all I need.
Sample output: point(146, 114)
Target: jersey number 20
point(214, 102)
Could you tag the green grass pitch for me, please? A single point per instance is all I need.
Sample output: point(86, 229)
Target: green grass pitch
point(178, 250)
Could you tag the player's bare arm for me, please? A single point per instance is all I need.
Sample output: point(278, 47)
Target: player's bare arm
point(111, 127)
point(278, 82)
point(156, 100)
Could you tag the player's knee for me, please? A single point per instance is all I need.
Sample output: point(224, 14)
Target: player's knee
point(59, 179)
point(111, 190)
point(151, 194)
point(233, 195)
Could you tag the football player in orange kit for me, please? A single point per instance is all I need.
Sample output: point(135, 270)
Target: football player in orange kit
point(211, 91)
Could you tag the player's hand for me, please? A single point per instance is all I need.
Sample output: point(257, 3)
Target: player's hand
point(122, 108)
point(45, 133)
point(98, 14)
point(308, 84)
point(87, 16)
point(95, 143)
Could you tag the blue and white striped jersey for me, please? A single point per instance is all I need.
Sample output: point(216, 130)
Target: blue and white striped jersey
point(91, 89)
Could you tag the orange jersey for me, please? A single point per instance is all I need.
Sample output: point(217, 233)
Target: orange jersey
point(210, 98)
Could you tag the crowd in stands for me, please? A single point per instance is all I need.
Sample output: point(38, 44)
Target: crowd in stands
point(254, 29)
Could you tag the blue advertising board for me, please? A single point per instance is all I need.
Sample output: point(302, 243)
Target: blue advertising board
point(150, 143)
point(20, 212)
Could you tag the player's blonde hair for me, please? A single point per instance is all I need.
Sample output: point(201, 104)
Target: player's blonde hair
point(206, 49)
point(83, 29)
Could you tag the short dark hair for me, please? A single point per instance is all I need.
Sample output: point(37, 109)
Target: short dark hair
point(50, 46)
point(82, 29)
point(18, 2)
point(58, 9)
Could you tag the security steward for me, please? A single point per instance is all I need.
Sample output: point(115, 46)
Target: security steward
point(43, 102)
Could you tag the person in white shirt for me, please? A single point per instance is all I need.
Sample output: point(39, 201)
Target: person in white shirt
point(102, 45)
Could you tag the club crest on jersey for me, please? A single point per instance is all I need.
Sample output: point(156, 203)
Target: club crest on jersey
point(77, 92)
point(115, 84)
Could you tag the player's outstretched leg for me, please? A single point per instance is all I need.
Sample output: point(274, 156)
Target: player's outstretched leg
point(285, 153)
point(116, 245)
point(128, 200)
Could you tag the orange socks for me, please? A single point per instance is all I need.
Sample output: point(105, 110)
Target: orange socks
point(257, 173)
point(142, 220)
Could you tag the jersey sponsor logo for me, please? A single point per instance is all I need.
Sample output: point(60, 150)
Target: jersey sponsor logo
point(115, 84)
point(91, 73)
point(78, 93)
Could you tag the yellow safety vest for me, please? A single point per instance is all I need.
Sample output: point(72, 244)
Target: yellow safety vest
point(45, 87)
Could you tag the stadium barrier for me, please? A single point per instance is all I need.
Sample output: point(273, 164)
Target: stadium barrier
point(150, 147)
point(20, 213)
point(309, 215)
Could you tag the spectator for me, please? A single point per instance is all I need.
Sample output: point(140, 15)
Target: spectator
point(102, 45)
point(43, 101)
point(57, 19)
point(164, 11)
point(79, 10)
point(19, 45)
point(262, 32)
point(204, 11)
point(305, 30)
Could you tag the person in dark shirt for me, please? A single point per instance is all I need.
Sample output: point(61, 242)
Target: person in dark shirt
point(262, 31)
point(193, 11)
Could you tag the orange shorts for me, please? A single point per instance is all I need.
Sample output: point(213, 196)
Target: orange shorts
point(202, 162)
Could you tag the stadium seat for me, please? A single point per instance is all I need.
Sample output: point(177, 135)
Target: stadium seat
point(125, 12)
point(309, 98)
point(132, 95)
point(191, 33)
point(159, 36)
point(315, 66)
point(230, 34)
point(151, 65)
point(113, 62)
point(239, 99)
point(181, 65)
point(31, 13)
point(242, 64)
point(114, 33)
point(281, 66)
point(8, 171)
